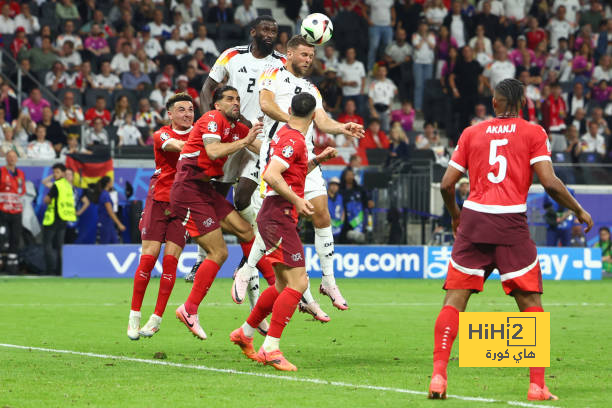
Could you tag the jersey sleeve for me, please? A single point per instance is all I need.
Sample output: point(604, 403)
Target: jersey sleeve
point(221, 67)
point(267, 80)
point(318, 98)
point(460, 155)
point(540, 146)
point(212, 126)
point(161, 139)
point(287, 151)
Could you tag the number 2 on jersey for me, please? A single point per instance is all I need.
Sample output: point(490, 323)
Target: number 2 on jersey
point(495, 158)
point(251, 84)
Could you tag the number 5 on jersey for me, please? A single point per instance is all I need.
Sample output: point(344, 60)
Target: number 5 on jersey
point(495, 158)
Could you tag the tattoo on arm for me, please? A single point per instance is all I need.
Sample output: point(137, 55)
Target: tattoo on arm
point(210, 140)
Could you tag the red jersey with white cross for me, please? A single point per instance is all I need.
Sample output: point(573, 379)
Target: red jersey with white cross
point(498, 154)
point(165, 161)
point(212, 124)
point(288, 147)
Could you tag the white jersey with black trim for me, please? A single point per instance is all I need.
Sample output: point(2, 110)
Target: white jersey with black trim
point(242, 71)
point(284, 85)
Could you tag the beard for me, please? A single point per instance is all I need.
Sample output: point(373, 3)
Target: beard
point(263, 46)
point(231, 115)
point(299, 70)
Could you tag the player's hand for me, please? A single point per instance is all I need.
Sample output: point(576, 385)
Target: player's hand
point(304, 207)
point(253, 132)
point(585, 218)
point(455, 224)
point(121, 227)
point(353, 129)
point(328, 153)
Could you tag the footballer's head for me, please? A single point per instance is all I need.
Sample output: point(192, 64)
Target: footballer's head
point(303, 106)
point(508, 98)
point(180, 110)
point(264, 31)
point(227, 101)
point(300, 55)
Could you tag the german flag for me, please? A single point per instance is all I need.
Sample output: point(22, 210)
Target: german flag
point(89, 168)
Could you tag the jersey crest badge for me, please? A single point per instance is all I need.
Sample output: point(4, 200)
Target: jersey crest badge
point(226, 132)
point(164, 136)
point(287, 151)
point(212, 126)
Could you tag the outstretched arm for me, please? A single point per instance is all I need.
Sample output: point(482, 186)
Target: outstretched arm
point(329, 125)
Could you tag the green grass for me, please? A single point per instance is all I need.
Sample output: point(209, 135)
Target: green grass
point(385, 339)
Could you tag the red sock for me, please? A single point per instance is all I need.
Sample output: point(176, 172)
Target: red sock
point(141, 280)
point(447, 326)
point(246, 247)
point(204, 278)
point(166, 283)
point(283, 309)
point(536, 374)
point(264, 266)
point(263, 307)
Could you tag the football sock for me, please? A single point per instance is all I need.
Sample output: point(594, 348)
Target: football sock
point(445, 332)
point(307, 296)
point(271, 343)
point(263, 307)
point(203, 280)
point(248, 214)
point(324, 246)
point(253, 289)
point(166, 283)
point(248, 330)
point(201, 254)
point(141, 280)
point(263, 264)
point(283, 309)
point(536, 374)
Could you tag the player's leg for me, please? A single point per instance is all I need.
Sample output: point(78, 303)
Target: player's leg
point(324, 246)
point(150, 252)
point(309, 305)
point(242, 199)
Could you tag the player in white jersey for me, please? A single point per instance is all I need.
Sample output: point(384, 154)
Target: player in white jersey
point(277, 87)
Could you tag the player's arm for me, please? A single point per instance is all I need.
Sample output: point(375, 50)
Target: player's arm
point(557, 190)
point(325, 155)
point(207, 91)
point(447, 189)
point(215, 149)
point(270, 108)
point(173, 145)
point(273, 176)
point(329, 125)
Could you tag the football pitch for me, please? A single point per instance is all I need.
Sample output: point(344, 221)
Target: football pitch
point(64, 344)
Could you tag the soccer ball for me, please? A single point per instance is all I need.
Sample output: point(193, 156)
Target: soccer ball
point(317, 29)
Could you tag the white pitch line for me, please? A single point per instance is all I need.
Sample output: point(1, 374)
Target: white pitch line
point(217, 304)
point(270, 376)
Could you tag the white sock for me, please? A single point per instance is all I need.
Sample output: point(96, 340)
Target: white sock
point(201, 254)
point(271, 344)
point(307, 295)
point(134, 313)
point(253, 289)
point(248, 214)
point(257, 251)
point(248, 330)
point(324, 245)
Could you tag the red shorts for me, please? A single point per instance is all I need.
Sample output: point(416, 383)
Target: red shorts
point(279, 232)
point(198, 206)
point(157, 223)
point(471, 264)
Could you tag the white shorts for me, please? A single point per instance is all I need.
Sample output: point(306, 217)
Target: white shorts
point(242, 164)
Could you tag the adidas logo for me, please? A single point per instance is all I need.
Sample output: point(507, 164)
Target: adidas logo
point(287, 80)
point(243, 69)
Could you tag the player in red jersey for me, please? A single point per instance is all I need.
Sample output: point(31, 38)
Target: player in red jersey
point(203, 210)
point(156, 224)
point(501, 155)
point(285, 175)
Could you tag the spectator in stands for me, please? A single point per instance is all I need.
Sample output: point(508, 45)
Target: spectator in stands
point(221, 13)
point(245, 13)
point(444, 43)
point(465, 81)
point(399, 145)
point(521, 55)
point(408, 15)
point(606, 250)
point(500, 69)
point(191, 11)
point(57, 78)
point(480, 114)
point(42, 58)
point(69, 35)
point(167, 74)
point(597, 116)
point(331, 91)
point(99, 19)
point(604, 39)
point(69, 114)
point(72, 147)
point(481, 55)
point(12, 185)
point(201, 41)
point(405, 116)
point(106, 79)
point(356, 207)
point(381, 93)
point(135, 79)
point(601, 93)
point(70, 58)
point(107, 219)
point(147, 116)
point(434, 12)
point(24, 129)
point(55, 133)
point(488, 20)
point(592, 141)
point(7, 23)
point(559, 27)
point(20, 41)
point(554, 112)
point(182, 85)
point(150, 44)
point(572, 8)
point(127, 36)
point(352, 78)
point(579, 121)
point(330, 57)
point(559, 59)
point(125, 21)
point(448, 67)
point(185, 29)
point(41, 148)
point(160, 95)
point(349, 114)
point(457, 24)
point(27, 82)
point(175, 46)
point(95, 43)
point(98, 111)
point(575, 100)
point(480, 35)
point(535, 34)
point(381, 18)
point(374, 138)
point(35, 104)
point(573, 144)
point(157, 27)
point(121, 62)
point(197, 63)
point(96, 135)
point(147, 66)
point(128, 134)
point(398, 58)
point(604, 69)
point(336, 207)
point(582, 64)
point(83, 79)
point(65, 9)
point(122, 111)
point(424, 44)
point(8, 100)
point(9, 145)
